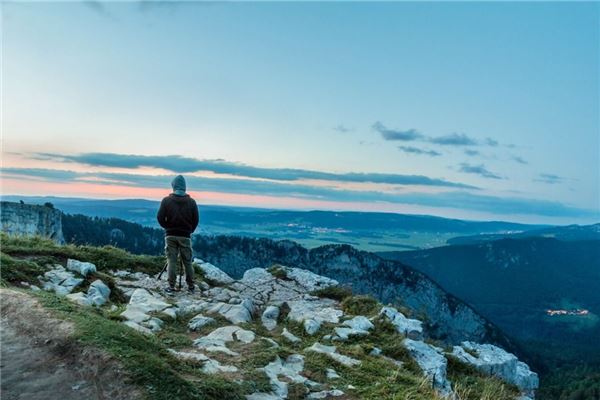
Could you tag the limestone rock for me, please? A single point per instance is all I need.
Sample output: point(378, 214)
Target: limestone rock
point(98, 293)
point(332, 374)
point(314, 312)
point(199, 321)
point(217, 339)
point(311, 326)
point(325, 394)
point(213, 274)
point(333, 354)
point(433, 363)
point(309, 280)
point(189, 356)
point(83, 268)
point(31, 220)
point(141, 304)
point(269, 317)
point(493, 360)
point(290, 369)
point(357, 326)
point(235, 313)
point(213, 366)
point(60, 281)
point(411, 328)
point(290, 336)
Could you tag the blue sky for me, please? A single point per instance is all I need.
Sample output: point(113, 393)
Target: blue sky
point(470, 110)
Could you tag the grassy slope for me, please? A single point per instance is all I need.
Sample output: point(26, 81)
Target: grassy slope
point(161, 376)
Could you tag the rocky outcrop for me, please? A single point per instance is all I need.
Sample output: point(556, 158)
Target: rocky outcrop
point(432, 361)
point(493, 360)
point(31, 220)
point(411, 328)
point(448, 318)
point(227, 322)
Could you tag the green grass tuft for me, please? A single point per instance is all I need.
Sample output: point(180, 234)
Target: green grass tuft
point(360, 305)
point(338, 293)
point(13, 270)
point(145, 358)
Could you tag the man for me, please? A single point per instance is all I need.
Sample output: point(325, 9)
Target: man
point(178, 215)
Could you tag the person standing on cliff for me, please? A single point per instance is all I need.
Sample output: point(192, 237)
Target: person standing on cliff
point(178, 215)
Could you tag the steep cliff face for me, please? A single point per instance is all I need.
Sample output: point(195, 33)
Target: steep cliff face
point(30, 220)
point(448, 318)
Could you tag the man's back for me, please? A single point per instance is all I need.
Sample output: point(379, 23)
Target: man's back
point(178, 215)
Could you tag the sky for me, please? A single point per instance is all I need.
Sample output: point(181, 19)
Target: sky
point(467, 110)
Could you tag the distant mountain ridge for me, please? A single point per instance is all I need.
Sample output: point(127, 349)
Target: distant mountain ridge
point(564, 233)
point(371, 231)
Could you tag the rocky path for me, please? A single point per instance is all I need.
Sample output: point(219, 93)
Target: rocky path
point(39, 361)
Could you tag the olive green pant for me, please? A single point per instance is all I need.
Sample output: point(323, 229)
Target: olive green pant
point(182, 247)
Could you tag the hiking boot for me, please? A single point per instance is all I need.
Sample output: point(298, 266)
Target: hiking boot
point(170, 290)
point(191, 290)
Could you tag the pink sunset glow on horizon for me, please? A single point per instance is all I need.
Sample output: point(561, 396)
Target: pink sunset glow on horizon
point(30, 187)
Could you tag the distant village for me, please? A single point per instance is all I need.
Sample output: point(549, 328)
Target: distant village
point(578, 311)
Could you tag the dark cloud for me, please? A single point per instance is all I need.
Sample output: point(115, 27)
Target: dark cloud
point(454, 139)
point(181, 164)
point(478, 170)
point(391, 134)
point(550, 179)
point(416, 150)
point(491, 142)
point(455, 199)
point(471, 152)
point(519, 159)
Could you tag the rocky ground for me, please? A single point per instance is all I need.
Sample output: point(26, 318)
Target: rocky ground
point(276, 333)
point(278, 315)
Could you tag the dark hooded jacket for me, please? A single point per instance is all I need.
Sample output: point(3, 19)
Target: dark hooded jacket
point(178, 212)
point(178, 215)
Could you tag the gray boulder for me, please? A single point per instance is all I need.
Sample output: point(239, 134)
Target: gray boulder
point(213, 273)
point(432, 362)
point(411, 328)
point(199, 321)
point(83, 268)
point(269, 317)
point(493, 360)
point(60, 281)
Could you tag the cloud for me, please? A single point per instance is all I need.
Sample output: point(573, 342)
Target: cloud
point(491, 142)
point(454, 139)
point(179, 164)
point(478, 170)
point(391, 134)
point(471, 152)
point(461, 200)
point(519, 159)
point(550, 179)
point(341, 128)
point(416, 150)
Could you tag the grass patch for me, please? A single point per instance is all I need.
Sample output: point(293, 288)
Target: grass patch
point(278, 271)
point(145, 358)
point(338, 293)
point(13, 270)
point(470, 384)
point(360, 305)
point(105, 258)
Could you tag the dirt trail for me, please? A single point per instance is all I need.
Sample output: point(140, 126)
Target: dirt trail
point(41, 361)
